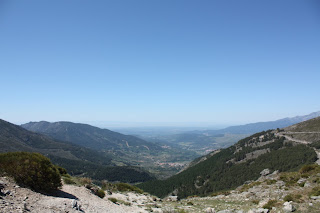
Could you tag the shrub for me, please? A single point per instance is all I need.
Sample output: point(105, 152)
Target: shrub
point(315, 191)
point(85, 181)
point(293, 197)
point(31, 169)
point(288, 197)
point(123, 187)
point(113, 200)
point(270, 204)
point(270, 182)
point(100, 193)
point(256, 202)
point(307, 168)
point(68, 180)
point(62, 171)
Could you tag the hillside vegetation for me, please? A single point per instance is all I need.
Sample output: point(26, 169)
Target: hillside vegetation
point(233, 166)
point(30, 169)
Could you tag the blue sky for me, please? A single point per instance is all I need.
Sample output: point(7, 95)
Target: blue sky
point(159, 62)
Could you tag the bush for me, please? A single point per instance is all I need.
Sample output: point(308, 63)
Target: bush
point(68, 180)
point(31, 169)
point(100, 193)
point(113, 200)
point(123, 187)
point(62, 171)
point(293, 197)
point(85, 181)
point(307, 168)
point(270, 204)
point(315, 191)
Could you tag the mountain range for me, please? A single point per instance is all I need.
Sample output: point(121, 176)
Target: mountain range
point(78, 160)
point(204, 140)
point(160, 159)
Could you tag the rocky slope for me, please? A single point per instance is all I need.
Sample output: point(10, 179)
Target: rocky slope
point(271, 192)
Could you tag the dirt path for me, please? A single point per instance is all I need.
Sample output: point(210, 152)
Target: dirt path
point(292, 139)
point(21, 199)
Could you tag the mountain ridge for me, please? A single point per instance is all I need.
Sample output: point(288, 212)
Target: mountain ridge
point(76, 159)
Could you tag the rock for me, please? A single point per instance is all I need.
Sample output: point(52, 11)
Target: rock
point(76, 205)
point(172, 198)
point(259, 210)
point(209, 210)
point(7, 192)
point(2, 185)
point(307, 184)
point(265, 172)
point(262, 203)
point(288, 207)
point(315, 197)
point(225, 211)
point(301, 180)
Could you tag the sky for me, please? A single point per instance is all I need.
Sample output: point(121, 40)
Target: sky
point(168, 62)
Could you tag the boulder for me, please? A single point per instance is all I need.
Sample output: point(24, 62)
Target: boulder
point(172, 198)
point(315, 197)
point(209, 210)
point(265, 172)
point(288, 207)
point(259, 210)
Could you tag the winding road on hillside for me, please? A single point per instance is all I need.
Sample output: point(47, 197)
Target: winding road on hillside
point(282, 134)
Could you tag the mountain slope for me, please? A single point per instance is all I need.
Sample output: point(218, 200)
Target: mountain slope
point(76, 159)
point(161, 160)
point(89, 136)
point(231, 167)
point(263, 126)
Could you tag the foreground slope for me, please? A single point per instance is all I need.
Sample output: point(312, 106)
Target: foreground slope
point(76, 159)
point(272, 192)
point(228, 168)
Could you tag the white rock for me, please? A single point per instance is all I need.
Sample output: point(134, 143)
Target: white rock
point(288, 207)
point(265, 172)
point(209, 210)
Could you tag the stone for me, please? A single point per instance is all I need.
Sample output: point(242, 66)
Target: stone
point(265, 172)
point(172, 198)
point(259, 210)
point(288, 207)
point(307, 184)
point(301, 180)
point(225, 211)
point(315, 197)
point(209, 210)
point(7, 192)
point(76, 205)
